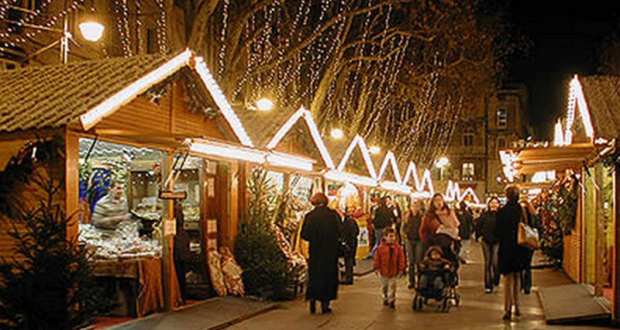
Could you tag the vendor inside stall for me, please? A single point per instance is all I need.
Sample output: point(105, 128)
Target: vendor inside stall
point(111, 210)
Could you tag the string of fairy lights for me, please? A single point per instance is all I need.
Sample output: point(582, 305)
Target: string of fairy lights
point(344, 49)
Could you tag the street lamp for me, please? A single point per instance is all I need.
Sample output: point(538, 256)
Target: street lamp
point(264, 104)
point(337, 133)
point(442, 162)
point(91, 31)
point(374, 150)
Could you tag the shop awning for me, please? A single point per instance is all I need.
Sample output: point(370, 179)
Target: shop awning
point(532, 160)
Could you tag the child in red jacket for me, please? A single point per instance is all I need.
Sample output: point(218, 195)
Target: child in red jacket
point(389, 263)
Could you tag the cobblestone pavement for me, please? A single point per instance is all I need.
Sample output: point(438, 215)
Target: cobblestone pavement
point(359, 307)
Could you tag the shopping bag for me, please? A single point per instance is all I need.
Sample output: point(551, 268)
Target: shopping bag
point(527, 236)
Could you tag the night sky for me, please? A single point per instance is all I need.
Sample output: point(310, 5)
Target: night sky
point(565, 39)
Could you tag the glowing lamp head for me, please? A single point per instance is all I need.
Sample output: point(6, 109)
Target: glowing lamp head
point(374, 150)
point(91, 31)
point(337, 133)
point(264, 104)
point(442, 162)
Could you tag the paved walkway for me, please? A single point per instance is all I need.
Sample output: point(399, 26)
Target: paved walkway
point(359, 307)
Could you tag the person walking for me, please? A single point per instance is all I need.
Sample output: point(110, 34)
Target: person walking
point(321, 229)
point(389, 263)
point(383, 218)
point(181, 253)
point(413, 243)
point(466, 219)
point(438, 218)
point(526, 278)
point(511, 256)
point(485, 230)
point(350, 230)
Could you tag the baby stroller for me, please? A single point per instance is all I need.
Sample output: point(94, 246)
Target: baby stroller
point(438, 284)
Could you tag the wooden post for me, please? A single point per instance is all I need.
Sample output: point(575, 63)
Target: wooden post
point(598, 241)
point(583, 244)
point(616, 253)
point(167, 242)
point(72, 182)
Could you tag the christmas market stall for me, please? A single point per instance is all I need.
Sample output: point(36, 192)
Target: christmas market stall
point(142, 137)
point(349, 185)
point(583, 198)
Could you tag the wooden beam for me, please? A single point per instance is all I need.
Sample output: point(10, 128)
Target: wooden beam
point(599, 243)
point(616, 252)
point(72, 182)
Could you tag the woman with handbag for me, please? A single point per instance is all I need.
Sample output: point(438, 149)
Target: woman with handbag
point(511, 256)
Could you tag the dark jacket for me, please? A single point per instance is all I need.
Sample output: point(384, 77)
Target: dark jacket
point(485, 227)
point(466, 220)
point(181, 239)
point(350, 230)
point(512, 257)
point(412, 226)
point(321, 229)
point(383, 217)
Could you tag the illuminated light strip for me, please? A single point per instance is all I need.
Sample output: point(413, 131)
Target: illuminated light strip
point(452, 192)
point(211, 148)
point(412, 173)
point(427, 181)
point(339, 176)
point(105, 108)
point(358, 141)
point(395, 186)
point(508, 159)
point(558, 138)
point(577, 98)
point(390, 159)
point(290, 161)
point(221, 101)
point(314, 131)
point(421, 194)
point(469, 191)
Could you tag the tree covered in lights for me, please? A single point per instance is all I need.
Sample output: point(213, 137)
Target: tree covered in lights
point(401, 73)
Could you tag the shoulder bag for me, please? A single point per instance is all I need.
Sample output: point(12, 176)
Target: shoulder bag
point(527, 236)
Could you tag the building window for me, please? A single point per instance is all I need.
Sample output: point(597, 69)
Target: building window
point(468, 137)
point(468, 172)
point(502, 118)
point(501, 143)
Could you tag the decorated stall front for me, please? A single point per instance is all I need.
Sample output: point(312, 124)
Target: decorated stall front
point(126, 126)
point(584, 158)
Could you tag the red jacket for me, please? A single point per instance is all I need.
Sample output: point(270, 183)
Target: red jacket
point(389, 263)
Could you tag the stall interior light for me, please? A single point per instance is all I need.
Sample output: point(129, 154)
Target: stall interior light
point(290, 161)
point(109, 105)
point(314, 131)
point(395, 186)
point(221, 101)
point(543, 176)
point(358, 141)
point(335, 175)
point(390, 159)
point(421, 194)
point(216, 149)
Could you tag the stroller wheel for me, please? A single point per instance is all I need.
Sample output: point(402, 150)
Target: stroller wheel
point(417, 303)
point(457, 299)
point(445, 305)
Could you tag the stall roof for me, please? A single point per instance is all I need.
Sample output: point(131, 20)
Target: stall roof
point(56, 95)
point(602, 94)
point(532, 160)
point(86, 92)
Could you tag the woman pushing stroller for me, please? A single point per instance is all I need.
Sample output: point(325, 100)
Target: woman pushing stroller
point(440, 227)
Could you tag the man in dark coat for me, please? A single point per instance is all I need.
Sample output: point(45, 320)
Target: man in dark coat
point(383, 218)
point(321, 229)
point(350, 230)
point(511, 256)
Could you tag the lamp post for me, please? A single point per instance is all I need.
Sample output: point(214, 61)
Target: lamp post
point(91, 31)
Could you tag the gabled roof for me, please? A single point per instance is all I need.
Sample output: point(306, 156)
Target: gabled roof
point(56, 95)
point(358, 142)
point(86, 92)
point(412, 178)
point(304, 114)
point(602, 104)
point(262, 126)
point(390, 160)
